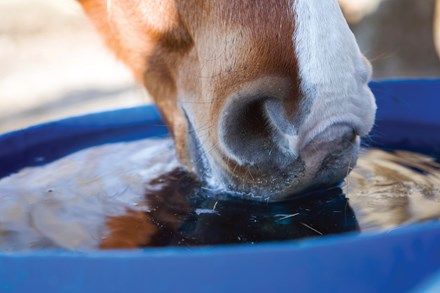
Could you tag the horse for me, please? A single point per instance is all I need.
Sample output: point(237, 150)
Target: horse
point(264, 98)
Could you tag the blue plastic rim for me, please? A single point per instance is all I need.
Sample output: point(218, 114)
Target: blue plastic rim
point(401, 260)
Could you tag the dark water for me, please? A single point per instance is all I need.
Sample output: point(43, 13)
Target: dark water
point(385, 191)
point(191, 215)
point(135, 194)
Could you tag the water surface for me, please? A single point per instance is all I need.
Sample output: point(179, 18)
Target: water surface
point(135, 194)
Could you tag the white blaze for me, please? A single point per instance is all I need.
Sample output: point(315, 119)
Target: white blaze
point(333, 72)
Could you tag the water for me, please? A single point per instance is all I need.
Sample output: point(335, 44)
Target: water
point(209, 218)
point(135, 195)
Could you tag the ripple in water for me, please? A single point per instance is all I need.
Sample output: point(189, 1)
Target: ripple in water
point(129, 195)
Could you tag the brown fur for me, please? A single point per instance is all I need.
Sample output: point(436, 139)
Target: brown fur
point(132, 230)
point(199, 52)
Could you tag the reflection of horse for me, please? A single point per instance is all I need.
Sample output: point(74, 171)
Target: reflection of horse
point(262, 97)
point(129, 195)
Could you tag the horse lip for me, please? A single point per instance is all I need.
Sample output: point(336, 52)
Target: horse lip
point(322, 128)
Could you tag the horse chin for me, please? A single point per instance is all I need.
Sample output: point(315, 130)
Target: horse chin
point(315, 169)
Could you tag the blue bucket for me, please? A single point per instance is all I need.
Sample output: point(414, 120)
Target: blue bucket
point(401, 260)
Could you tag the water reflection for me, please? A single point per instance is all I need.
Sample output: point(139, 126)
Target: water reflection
point(391, 189)
point(191, 215)
point(105, 197)
point(384, 191)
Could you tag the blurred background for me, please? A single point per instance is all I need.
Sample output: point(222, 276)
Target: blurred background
point(53, 64)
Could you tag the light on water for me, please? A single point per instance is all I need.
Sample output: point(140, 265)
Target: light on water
point(85, 198)
point(391, 189)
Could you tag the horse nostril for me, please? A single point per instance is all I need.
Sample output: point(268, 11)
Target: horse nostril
point(351, 136)
point(245, 132)
point(253, 123)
